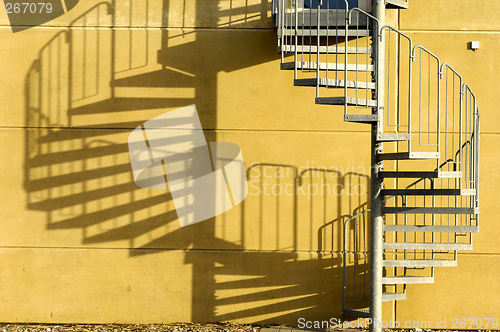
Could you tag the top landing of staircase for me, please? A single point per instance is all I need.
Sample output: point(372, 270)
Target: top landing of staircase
point(396, 4)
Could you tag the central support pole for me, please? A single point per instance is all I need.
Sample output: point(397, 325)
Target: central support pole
point(376, 219)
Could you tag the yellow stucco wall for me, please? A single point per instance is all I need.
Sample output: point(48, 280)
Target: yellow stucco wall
point(80, 242)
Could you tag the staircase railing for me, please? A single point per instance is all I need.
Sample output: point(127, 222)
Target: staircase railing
point(398, 99)
point(358, 57)
point(447, 110)
point(356, 252)
point(354, 74)
point(432, 109)
point(428, 111)
point(323, 29)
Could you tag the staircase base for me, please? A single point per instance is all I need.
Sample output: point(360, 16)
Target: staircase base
point(361, 313)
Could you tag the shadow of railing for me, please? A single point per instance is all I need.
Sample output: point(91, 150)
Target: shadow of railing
point(273, 257)
point(294, 256)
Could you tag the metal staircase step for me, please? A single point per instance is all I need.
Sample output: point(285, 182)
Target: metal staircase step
point(429, 192)
point(350, 101)
point(408, 155)
point(332, 83)
point(361, 118)
point(324, 49)
point(361, 313)
point(407, 280)
point(468, 192)
point(427, 246)
point(431, 210)
point(302, 31)
point(324, 66)
point(396, 4)
point(332, 18)
point(431, 229)
point(393, 137)
point(419, 262)
point(419, 175)
point(386, 297)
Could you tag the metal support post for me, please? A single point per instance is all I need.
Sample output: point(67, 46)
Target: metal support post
point(376, 220)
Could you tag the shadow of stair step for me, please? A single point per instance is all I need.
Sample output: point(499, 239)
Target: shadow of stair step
point(116, 105)
point(160, 78)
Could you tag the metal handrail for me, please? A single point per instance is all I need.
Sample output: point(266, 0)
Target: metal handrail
point(398, 124)
point(345, 260)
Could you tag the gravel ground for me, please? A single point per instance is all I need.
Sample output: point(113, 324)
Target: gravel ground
point(177, 327)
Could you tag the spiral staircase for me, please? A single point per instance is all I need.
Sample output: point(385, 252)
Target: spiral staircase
point(425, 127)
